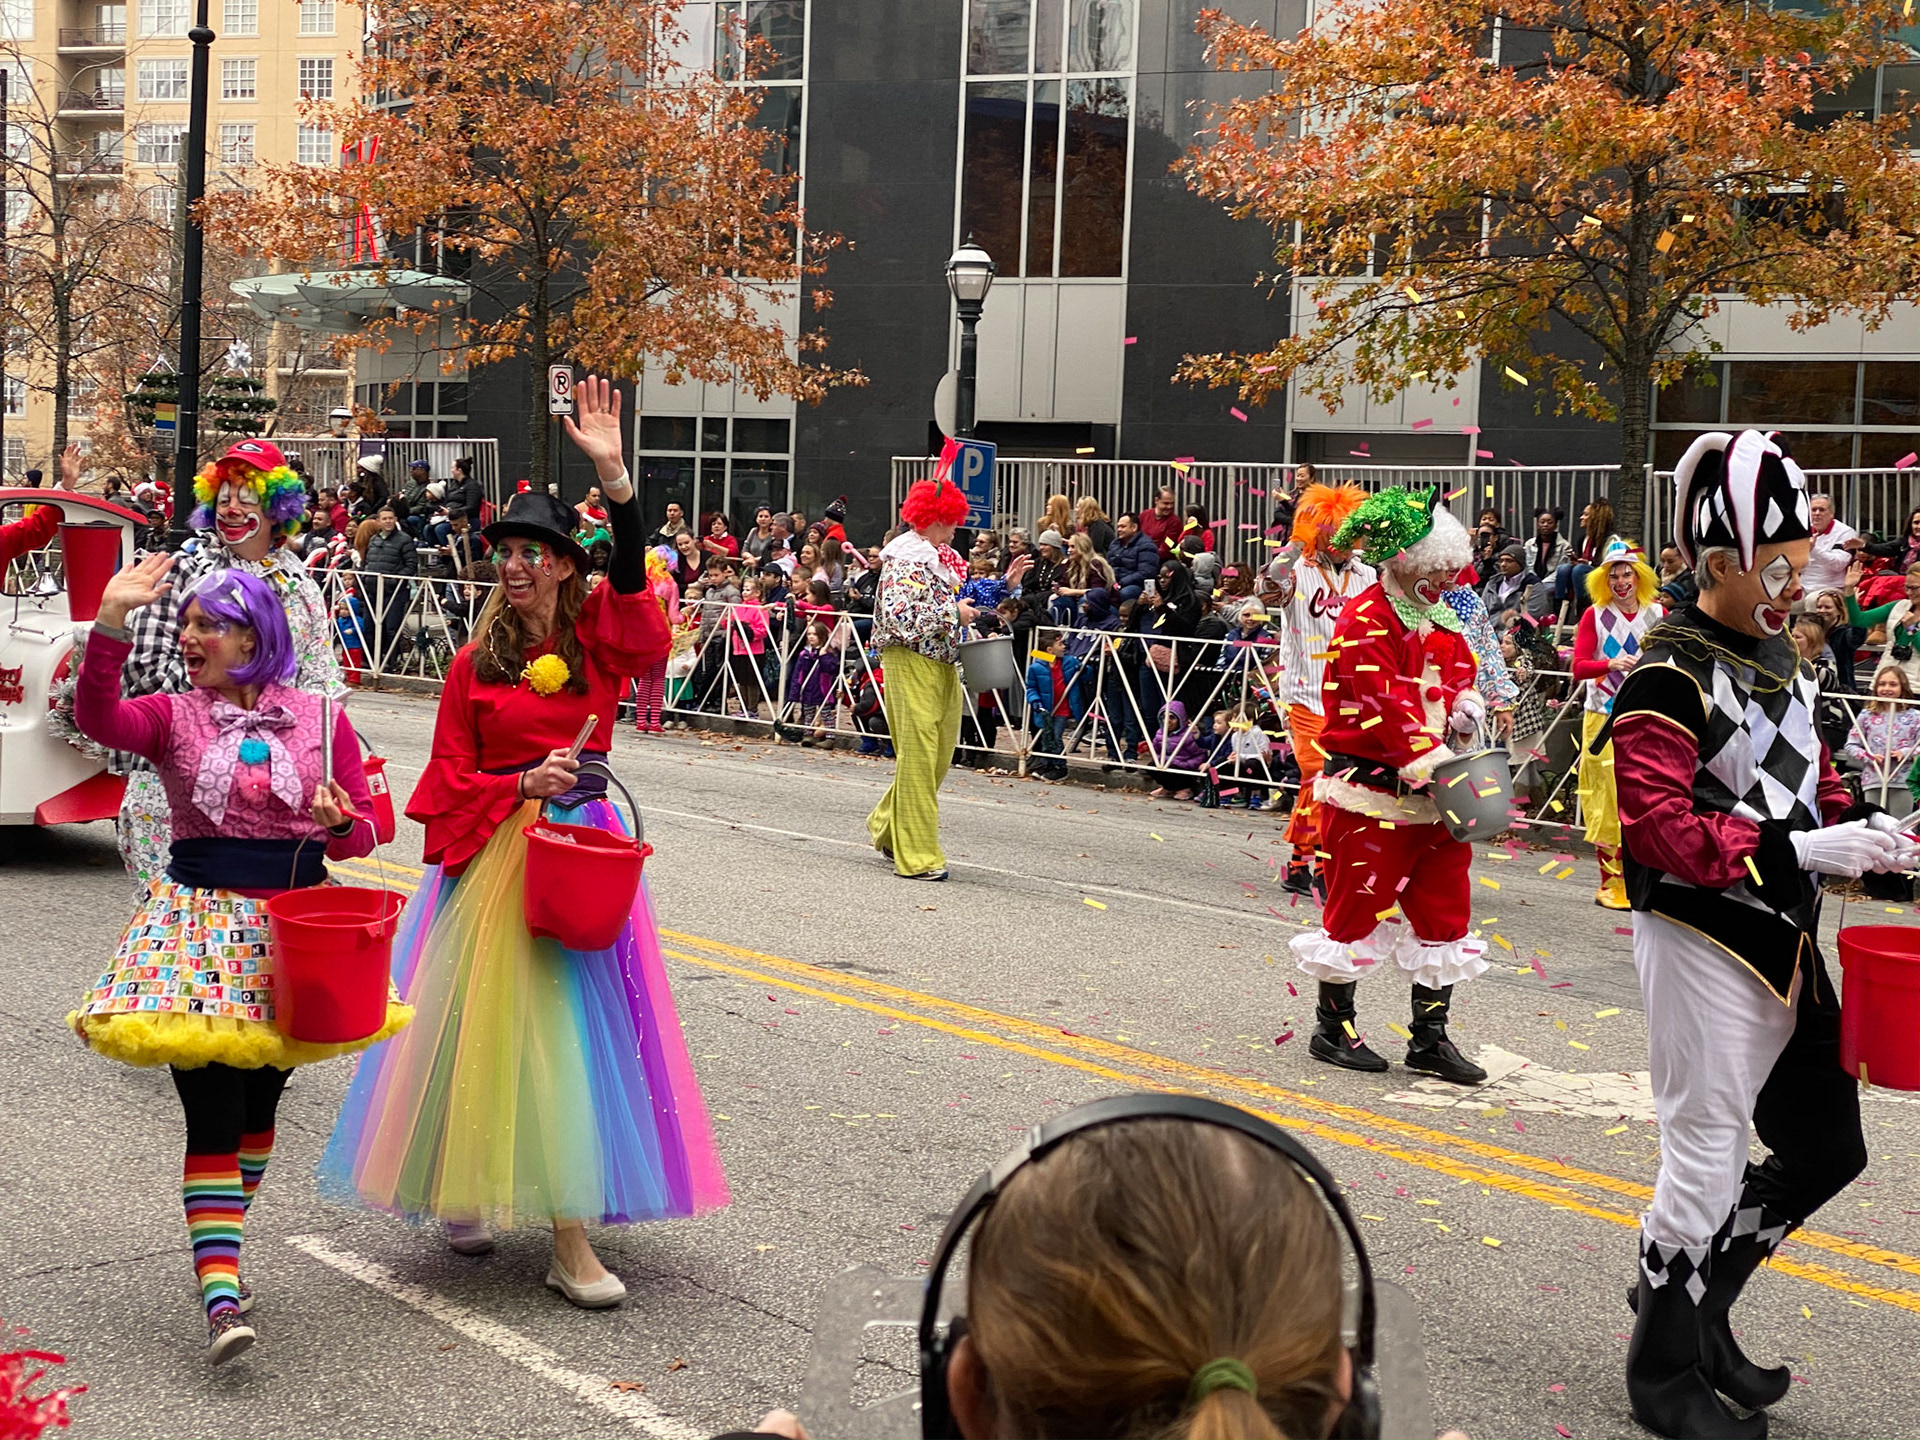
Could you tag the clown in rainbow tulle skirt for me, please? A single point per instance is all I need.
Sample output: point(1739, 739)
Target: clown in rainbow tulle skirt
point(535, 1083)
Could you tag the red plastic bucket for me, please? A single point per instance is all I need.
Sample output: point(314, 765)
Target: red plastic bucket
point(1880, 1005)
point(332, 947)
point(580, 883)
point(376, 768)
point(92, 556)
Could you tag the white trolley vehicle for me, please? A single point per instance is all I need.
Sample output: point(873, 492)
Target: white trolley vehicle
point(49, 775)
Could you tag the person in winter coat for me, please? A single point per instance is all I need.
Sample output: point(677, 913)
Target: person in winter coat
point(1135, 560)
point(1053, 701)
point(391, 552)
point(1181, 749)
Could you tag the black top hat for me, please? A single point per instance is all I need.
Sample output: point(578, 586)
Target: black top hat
point(532, 515)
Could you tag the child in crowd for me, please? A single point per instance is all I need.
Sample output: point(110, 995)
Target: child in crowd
point(1180, 748)
point(985, 589)
point(1239, 759)
point(818, 602)
point(650, 686)
point(869, 708)
point(747, 636)
point(1810, 634)
point(1886, 740)
point(810, 679)
point(1052, 701)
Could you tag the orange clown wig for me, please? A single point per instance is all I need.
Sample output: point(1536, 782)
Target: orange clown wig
point(1321, 511)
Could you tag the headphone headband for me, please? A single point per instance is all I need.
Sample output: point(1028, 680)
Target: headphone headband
point(936, 1415)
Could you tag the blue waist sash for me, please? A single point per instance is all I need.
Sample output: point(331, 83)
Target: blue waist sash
point(219, 862)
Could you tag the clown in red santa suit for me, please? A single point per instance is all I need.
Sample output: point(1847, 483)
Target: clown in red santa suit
point(1728, 801)
point(1399, 686)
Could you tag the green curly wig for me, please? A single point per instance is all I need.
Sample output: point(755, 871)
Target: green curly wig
point(282, 496)
point(1386, 523)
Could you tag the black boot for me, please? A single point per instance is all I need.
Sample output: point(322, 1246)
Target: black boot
point(1750, 1235)
point(1430, 1051)
point(1299, 878)
point(1666, 1382)
point(1335, 1039)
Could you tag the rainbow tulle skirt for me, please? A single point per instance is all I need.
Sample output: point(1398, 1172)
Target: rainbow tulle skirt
point(535, 1082)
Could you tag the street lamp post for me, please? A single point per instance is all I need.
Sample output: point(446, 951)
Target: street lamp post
point(186, 459)
point(970, 273)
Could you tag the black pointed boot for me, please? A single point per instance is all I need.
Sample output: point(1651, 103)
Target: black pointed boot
point(1430, 1051)
point(1335, 1038)
point(1667, 1383)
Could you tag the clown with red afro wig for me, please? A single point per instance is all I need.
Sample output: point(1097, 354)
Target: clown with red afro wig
point(936, 502)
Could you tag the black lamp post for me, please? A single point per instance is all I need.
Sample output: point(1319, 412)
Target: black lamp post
point(186, 456)
point(970, 272)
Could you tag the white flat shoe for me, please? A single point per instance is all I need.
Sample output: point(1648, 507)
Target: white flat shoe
point(602, 1294)
point(469, 1239)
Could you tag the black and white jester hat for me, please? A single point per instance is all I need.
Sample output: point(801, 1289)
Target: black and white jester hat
point(1739, 490)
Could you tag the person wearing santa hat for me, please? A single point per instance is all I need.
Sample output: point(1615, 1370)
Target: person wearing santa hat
point(1399, 684)
point(1730, 810)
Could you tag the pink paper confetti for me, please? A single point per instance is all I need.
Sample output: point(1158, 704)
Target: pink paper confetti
point(1237, 413)
point(1420, 424)
point(1290, 989)
point(1565, 983)
point(1283, 1038)
point(1555, 1389)
point(1469, 429)
point(1621, 930)
point(1130, 340)
point(1907, 460)
point(1183, 459)
point(1563, 1432)
point(1484, 454)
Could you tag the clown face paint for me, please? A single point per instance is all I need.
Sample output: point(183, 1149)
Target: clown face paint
point(1620, 580)
point(1775, 576)
point(531, 573)
point(1759, 601)
point(241, 523)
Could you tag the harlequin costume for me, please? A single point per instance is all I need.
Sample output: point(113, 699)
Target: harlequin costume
point(1314, 589)
point(536, 1082)
point(916, 628)
point(154, 666)
point(191, 985)
point(1727, 796)
point(1611, 629)
point(1400, 678)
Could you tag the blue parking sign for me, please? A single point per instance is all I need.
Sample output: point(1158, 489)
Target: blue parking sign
point(973, 471)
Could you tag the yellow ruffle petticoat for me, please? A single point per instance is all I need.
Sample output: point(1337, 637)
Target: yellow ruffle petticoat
point(192, 985)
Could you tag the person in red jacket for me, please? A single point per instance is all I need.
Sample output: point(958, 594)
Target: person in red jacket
point(541, 1083)
point(41, 524)
point(1399, 685)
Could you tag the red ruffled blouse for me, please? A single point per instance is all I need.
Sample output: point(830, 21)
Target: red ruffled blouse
point(484, 727)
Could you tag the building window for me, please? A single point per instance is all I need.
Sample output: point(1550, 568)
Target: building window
point(163, 17)
point(239, 79)
point(110, 24)
point(158, 144)
point(1837, 414)
point(315, 146)
point(776, 29)
point(714, 464)
point(16, 19)
point(242, 17)
point(316, 79)
point(162, 204)
point(16, 455)
point(419, 410)
point(236, 144)
point(16, 397)
point(316, 17)
point(162, 79)
point(110, 87)
point(1044, 175)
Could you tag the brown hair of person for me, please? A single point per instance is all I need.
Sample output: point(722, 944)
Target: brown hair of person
point(1599, 522)
point(1113, 1268)
point(500, 651)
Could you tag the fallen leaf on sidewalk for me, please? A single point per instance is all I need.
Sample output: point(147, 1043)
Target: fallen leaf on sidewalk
point(676, 1364)
point(629, 1385)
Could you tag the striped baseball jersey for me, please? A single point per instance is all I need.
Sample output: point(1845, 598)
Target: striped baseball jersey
point(1319, 594)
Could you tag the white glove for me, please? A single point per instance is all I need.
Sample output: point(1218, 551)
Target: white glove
point(1848, 850)
point(1888, 825)
point(1468, 711)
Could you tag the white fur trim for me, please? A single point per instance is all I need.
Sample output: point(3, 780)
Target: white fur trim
point(1423, 768)
point(1322, 957)
point(1445, 547)
point(1439, 963)
point(1377, 804)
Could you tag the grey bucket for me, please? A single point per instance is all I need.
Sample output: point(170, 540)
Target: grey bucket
point(988, 664)
point(1474, 793)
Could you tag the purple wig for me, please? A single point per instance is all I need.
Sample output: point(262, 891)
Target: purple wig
point(237, 598)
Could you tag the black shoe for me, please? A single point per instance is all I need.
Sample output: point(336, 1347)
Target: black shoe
point(1430, 1051)
point(1751, 1234)
point(1332, 1042)
point(1299, 879)
point(1667, 1385)
point(940, 874)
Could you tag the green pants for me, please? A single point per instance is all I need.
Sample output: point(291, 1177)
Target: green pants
point(923, 712)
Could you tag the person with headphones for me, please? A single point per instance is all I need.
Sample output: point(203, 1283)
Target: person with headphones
point(1148, 1264)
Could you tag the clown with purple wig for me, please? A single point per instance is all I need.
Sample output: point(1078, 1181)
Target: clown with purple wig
point(243, 759)
point(250, 503)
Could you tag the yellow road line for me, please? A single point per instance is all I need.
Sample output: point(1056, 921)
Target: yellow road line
point(1163, 1071)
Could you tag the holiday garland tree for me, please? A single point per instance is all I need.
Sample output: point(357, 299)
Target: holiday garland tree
point(229, 404)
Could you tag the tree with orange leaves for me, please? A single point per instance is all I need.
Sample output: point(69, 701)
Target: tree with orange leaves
point(607, 203)
point(1562, 188)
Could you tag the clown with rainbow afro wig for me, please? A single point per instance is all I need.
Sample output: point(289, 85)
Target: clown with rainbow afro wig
point(919, 621)
point(250, 502)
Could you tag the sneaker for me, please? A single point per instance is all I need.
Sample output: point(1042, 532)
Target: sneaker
point(939, 874)
point(246, 1298)
point(228, 1335)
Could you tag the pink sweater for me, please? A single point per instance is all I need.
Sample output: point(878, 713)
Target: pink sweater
point(176, 731)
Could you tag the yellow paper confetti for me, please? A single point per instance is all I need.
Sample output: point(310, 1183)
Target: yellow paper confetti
point(1489, 1240)
point(1806, 1312)
point(1616, 1130)
point(1503, 942)
point(1412, 294)
point(1578, 1046)
point(1603, 1014)
point(1514, 375)
point(1751, 870)
point(1094, 903)
point(1490, 884)
point(1152, 836)
point(1565, 874)
point(1400, 1030)
point(1665, 242)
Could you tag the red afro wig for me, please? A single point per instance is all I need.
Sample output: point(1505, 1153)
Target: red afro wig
point(934, 502)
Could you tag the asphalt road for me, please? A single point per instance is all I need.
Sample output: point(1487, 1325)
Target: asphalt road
point(867, 1047)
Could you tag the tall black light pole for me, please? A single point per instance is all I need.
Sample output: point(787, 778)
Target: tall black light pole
point(970, 273)
point(186, 456)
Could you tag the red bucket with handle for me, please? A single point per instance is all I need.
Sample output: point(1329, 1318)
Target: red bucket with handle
point(1880, 1005)
point(581, 880)
point(91, 554)
point(377, 787)
point(332, 950)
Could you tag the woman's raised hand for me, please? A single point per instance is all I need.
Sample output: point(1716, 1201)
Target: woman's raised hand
point(140, 583)
point(70, 461)
point(597, 435)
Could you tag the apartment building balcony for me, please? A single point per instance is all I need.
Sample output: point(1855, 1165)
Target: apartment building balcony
point(89, 166)
point(92, 104)
point(77, 39)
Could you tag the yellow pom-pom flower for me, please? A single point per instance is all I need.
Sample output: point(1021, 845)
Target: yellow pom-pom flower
point(547, 674)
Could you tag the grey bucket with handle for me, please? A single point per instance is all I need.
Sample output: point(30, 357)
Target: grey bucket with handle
point(1474, 794)
point(988, 664)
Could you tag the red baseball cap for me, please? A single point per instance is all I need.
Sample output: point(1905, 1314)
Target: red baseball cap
point(262, 455)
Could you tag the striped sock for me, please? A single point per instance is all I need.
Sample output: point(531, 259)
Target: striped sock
point(255, 1150)
point(216, 1206)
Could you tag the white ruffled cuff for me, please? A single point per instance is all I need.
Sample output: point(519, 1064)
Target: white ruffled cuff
point(1440, 963)
point(1422, 769)
point(1342, 962)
